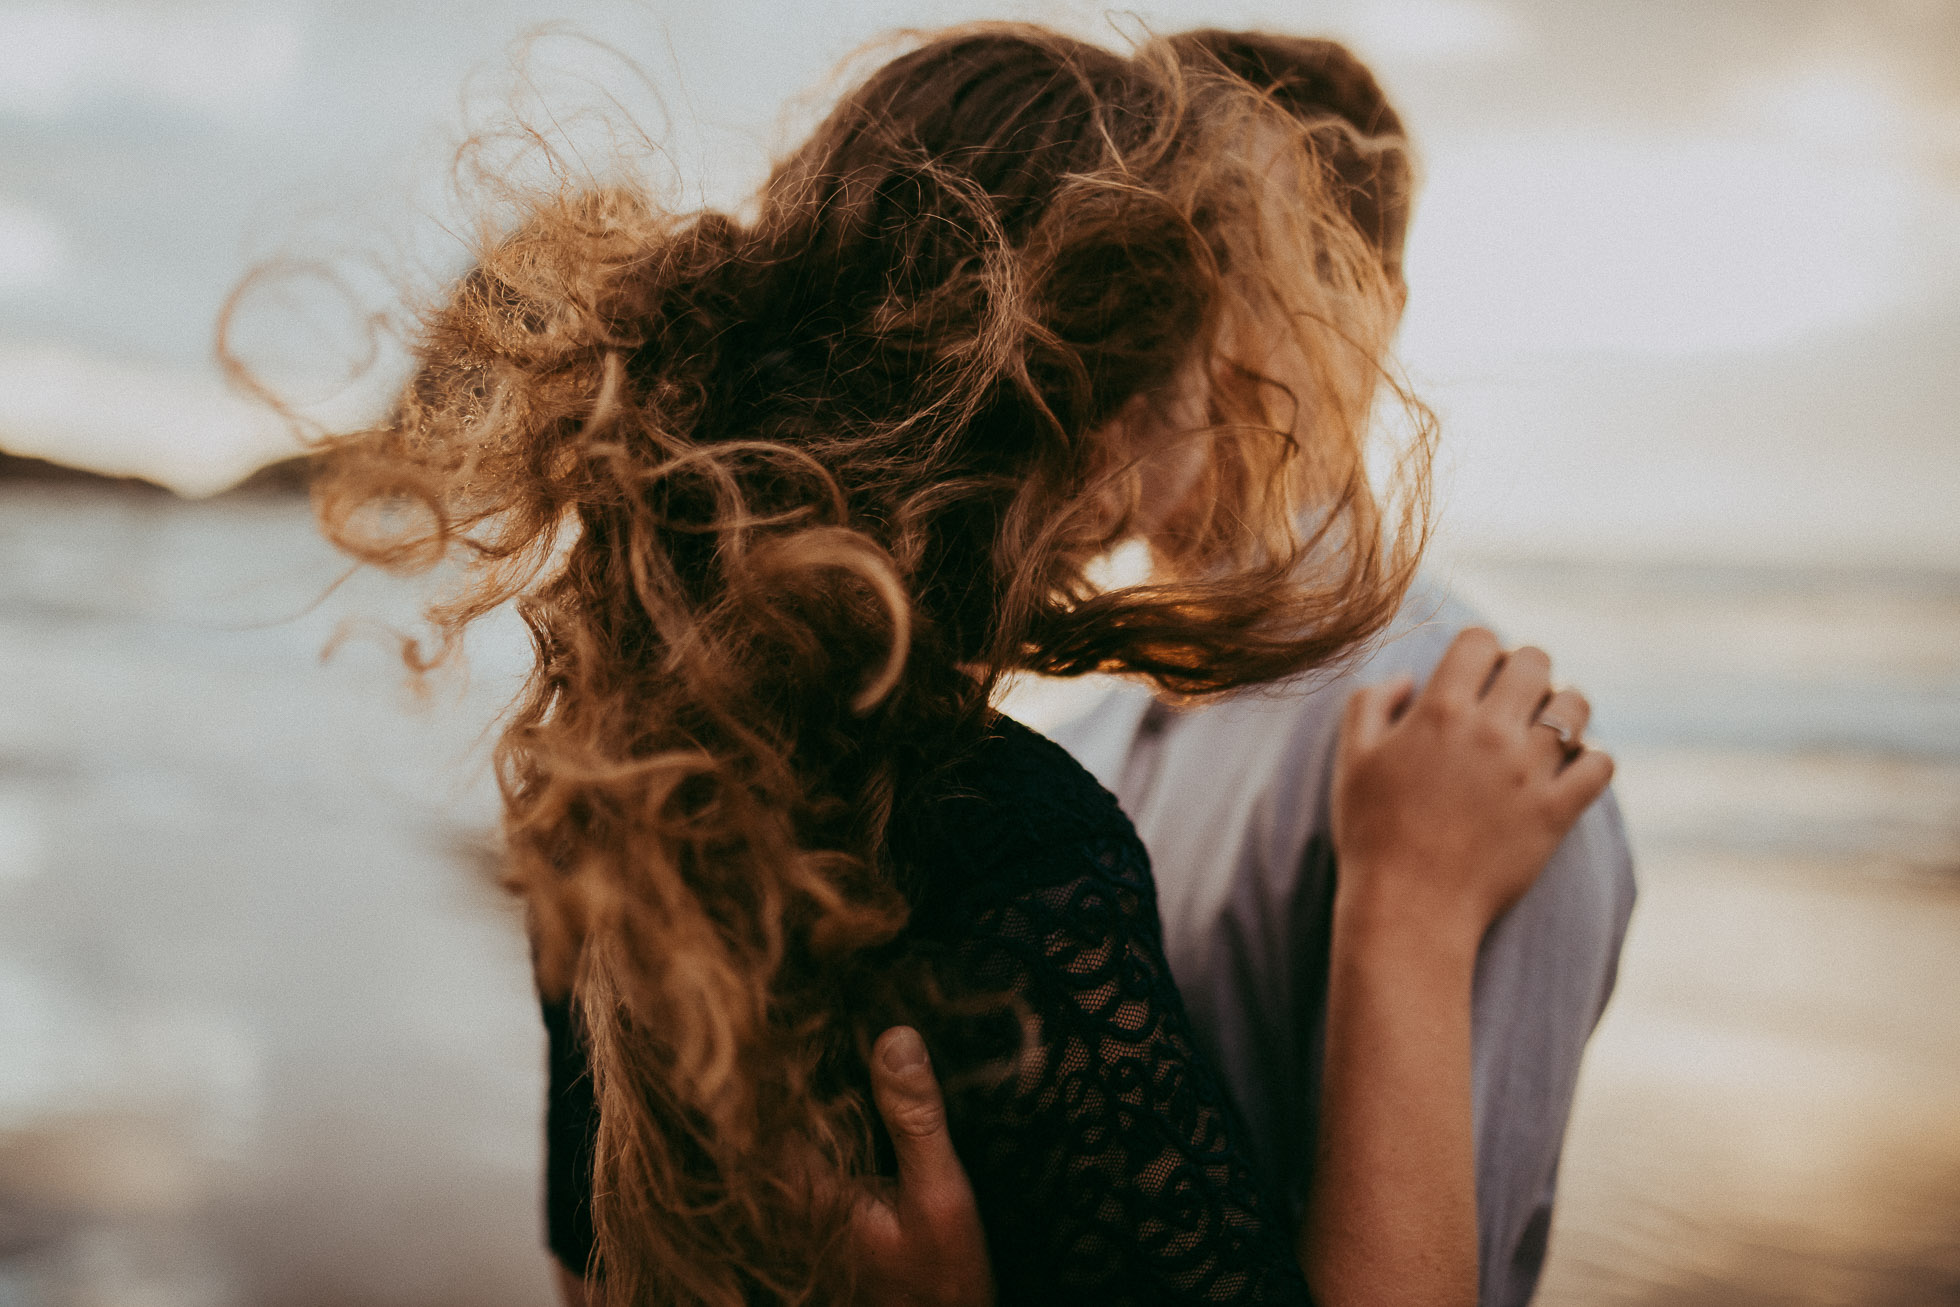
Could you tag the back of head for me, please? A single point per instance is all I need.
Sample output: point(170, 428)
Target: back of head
point(782, 498)
point(1357, 133)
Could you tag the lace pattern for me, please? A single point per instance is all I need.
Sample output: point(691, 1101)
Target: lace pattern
point(1107, 1166)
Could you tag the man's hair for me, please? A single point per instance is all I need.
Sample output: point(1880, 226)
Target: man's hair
point(1359, 138)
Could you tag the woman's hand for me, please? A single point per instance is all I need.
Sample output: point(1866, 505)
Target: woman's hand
point(919, 1243)
point(1448, 804)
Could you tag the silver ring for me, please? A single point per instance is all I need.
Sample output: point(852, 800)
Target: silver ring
point(1559, 729)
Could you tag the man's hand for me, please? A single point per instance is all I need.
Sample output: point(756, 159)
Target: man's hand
point(918, 1243)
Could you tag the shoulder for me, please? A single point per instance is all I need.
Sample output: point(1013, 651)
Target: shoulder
point(1107, 724)
point(1016, 813)
point(1015, 791)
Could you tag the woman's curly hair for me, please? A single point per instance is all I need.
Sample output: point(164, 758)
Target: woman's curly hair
point(782, 497)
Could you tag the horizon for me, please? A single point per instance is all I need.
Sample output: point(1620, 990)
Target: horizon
point(1682, 285)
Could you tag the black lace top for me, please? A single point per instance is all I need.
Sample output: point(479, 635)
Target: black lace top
point(1106, 1165)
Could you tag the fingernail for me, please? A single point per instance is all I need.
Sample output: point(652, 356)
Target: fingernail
point(904, 1051)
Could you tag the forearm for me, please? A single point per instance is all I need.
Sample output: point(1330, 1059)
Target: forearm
point(1393, 1215)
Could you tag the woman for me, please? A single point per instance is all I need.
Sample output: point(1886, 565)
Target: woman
point(782, 497)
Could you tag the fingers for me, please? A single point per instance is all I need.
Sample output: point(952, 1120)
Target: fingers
point(1466, 667)
point(1398, 692)
point(1582, 781)
point(1562, 721)
point(1372, 709)
point(876, 1236)
point(1520, 684)
point(908, 1098)
point(923, 1243)
point(1569, 709)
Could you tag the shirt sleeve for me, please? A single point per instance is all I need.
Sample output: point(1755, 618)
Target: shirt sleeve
point(1108, 1164)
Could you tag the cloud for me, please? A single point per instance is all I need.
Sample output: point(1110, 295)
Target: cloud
point(1851, 107)
point(58, 58)
point(1578, 241)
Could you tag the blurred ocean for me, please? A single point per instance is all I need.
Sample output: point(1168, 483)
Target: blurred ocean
point(266, 1031)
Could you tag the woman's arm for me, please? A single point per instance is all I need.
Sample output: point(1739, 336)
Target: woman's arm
point(1447, 805)
point(1108, 1166)
point(1392, 1217)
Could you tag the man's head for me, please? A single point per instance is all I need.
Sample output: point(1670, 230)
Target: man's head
point(1358, 133)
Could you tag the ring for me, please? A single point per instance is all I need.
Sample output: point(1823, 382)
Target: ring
point(1561, 730)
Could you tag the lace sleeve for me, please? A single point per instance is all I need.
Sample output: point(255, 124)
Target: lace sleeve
point(1107, 1166)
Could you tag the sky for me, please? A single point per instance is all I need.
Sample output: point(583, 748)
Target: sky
point(1685, 277)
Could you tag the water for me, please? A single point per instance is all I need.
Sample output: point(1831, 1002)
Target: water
point(266, 1033)
point(268, 1036)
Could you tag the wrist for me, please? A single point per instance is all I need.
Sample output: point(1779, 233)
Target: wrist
point(1406, 921)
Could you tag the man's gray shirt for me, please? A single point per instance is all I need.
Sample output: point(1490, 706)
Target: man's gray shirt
point(1232, 802)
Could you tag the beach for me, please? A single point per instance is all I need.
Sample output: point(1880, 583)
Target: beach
point(1769, 1112)
point(267, 1033)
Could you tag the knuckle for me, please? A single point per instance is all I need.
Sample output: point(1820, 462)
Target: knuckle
point(916, 1119)
point(1531, 655)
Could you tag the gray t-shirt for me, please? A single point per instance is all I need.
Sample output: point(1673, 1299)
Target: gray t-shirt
point(1232, 801)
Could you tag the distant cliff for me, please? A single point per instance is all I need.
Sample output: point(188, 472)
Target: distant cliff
point(19, 467)
point(288, 476)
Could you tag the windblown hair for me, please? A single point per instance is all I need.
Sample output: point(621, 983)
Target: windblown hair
point(782, 497)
